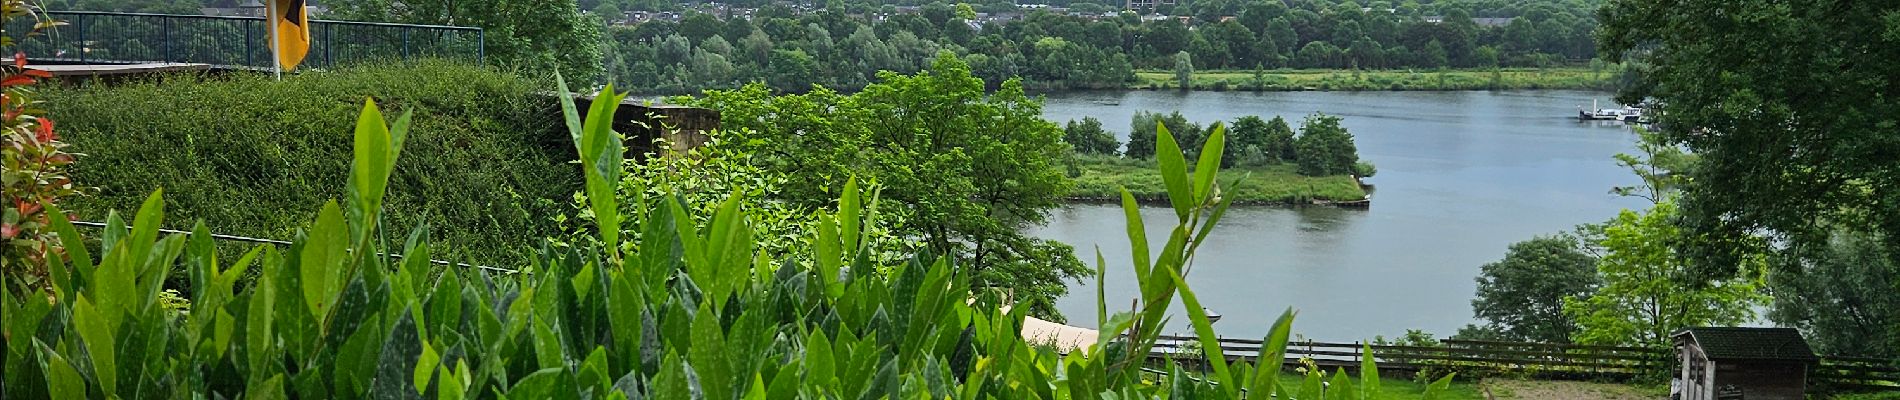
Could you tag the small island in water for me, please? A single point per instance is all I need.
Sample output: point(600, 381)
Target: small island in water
point(1268, 162)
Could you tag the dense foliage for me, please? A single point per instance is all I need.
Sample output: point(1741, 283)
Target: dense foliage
point(537, 35)
point(1521, 297)
point(1322, 148)
point(1642, 300)
point(1088, 137)
point(842, 45)
point(966, 170)
point(1795, 145)
point(36, 163)
point(1840, 294)
point(691, 311)
point(252, 157)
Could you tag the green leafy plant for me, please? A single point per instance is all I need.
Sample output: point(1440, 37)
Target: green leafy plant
point(693, 310)
point(35, 161)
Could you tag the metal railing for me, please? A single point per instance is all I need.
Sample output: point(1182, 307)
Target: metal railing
point(91, 37)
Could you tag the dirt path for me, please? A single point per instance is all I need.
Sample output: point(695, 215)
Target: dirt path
point(1565, 390)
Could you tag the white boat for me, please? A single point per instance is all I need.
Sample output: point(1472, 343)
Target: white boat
point(1626, 113)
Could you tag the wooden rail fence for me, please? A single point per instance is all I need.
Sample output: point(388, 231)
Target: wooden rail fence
point(1571, 361)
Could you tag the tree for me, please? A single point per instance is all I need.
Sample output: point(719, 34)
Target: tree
point(1281, 31)
point(968, 171)
point(793, 70)
point(1142, 136)
point(1324, 147)
point(1647, 291)
point(1279, 140)
point(1248, 143)
point(1840, 294)
point(1521, 297)
point(1184, 70)
point(1793, 144)
point(1088, 137)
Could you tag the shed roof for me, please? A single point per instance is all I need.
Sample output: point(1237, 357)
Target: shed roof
point(1732, 343)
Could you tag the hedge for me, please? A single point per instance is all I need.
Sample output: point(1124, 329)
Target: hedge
point(486, 168)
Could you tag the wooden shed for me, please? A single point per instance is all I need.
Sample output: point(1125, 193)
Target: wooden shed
point(1742, 363)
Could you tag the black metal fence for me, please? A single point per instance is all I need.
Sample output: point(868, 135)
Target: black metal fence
point(112, 38)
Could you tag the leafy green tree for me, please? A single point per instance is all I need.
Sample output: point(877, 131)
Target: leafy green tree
point(1279, 140)
point(1088, 137)
point(1434, 55)
point(1522, 296)
point(793, 70)
point(1648, 290)
point(1324, 147)
point(1840, 294)
point(537, 35)
point(1184, 70)
point(1796, 143)
point(1141, 136)
point(1249, 143)
point(967, 170)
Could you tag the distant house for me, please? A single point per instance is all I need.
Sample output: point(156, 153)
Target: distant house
point(1483, 22)
point(1742, 363)
point(1145, 4)
point(1492, 22)
point(250, 8)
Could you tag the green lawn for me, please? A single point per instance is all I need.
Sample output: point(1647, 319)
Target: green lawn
point(1474, 79)
point(1103, 177)
point(1401, 387)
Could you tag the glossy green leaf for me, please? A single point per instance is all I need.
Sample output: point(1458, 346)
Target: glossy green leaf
point(62, 380)
point(819, 361)
point(1341, 387)
point(1437, 388)
point(1369, 373)
point(1137, 236)
point(1209, 165)
point(322, 260)
point(1210, 342)
point(848, 209)
point(1272, 355)
point(1174, 172)
point(70, 240)
point(425, 368)
point(98, 331)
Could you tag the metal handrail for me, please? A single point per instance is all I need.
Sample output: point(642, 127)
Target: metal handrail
point(233, 17)
point(237, 238)
point(97, 37)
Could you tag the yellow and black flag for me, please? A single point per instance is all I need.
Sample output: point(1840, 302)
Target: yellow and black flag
point(291, 32)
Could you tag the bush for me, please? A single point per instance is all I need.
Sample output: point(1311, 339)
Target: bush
point(690, 312)
point(253, 157)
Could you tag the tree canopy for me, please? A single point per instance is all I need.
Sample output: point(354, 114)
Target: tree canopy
point(967, 170)
point(1521, 297)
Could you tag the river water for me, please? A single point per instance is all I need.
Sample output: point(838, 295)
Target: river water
point(1462, 175)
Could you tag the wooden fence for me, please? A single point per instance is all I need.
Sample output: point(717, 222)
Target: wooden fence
point(1854, 374)
point(1582, 361)
point(1551, 360)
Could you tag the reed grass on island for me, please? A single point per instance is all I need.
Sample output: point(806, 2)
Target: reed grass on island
point(1361, 80)
point(1102, 178)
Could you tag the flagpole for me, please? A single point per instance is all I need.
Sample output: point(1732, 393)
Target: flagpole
point(276, 54)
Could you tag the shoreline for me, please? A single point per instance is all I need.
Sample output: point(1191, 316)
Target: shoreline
point(1163, 201)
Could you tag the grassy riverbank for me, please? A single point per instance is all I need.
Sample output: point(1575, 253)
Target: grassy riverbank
point(1103, 177)
point(1352, 80)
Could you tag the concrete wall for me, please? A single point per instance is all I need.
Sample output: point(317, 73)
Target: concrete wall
point(684, 128)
